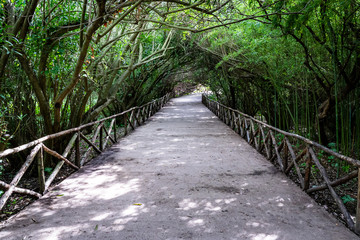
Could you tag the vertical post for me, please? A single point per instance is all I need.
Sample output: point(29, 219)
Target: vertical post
point(357, 223)
point(77, 150)
point(41, 172)
point(286, 155)
point(143, 114)
point(138, 120)
point(247, 131)
point(307, 172)
point(115, 135)
point(238, 124)
point(269, 146)
point(233, 121)
point(125, 124)
point(101, 139)
point(132, 118)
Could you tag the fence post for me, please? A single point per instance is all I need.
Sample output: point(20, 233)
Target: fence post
point(41, 172)
point(115, 135)
point(286, 155)
point(101, 139)
point(307, 172)
point(77, 150)
point(125, 124)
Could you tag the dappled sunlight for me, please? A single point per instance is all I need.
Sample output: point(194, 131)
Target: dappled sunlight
point(278, 200)
point(263, 236)
point(119, 189)
point(196, 222)
point(172, 178)
point(100, 217)
point(205, 206)
point(133, 210)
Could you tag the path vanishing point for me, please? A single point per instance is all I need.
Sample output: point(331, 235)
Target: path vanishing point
point(182, 175)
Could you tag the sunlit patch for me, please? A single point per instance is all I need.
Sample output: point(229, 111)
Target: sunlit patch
point(46, 214)
point(119, 189)
point(277, 199)
point(184, 218)
point(57, 232)
point(310, 205)
point(100, 217)
point(263, 236)
point(210, 207)
point(132, 211)
point(124, 220)
point(187, 204)
point(229, 200)
point(253, 224)
point(280, 205)
point(226, 201)
point(5, 233)
point(196, 222)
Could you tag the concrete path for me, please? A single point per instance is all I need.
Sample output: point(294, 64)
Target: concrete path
point(183, 175)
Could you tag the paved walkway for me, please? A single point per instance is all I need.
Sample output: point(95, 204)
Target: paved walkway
point(183, 175)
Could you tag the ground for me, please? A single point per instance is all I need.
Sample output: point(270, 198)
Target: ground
point(183, 175)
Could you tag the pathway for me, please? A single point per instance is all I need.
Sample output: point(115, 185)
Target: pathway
point(183, 175)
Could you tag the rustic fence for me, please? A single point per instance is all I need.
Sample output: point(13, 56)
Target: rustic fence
point(295, 155)
point(99, 140)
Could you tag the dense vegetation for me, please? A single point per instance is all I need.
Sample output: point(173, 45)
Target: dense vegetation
point(298, 70)
point(294, 64)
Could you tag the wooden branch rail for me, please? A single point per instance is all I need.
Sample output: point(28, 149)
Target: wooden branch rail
point(278, 146)
point(98, 143)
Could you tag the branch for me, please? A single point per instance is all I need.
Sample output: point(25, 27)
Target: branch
point(118, 20)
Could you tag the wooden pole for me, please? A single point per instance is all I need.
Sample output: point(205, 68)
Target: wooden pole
point(307, 173)
point(101, 138)
point(90, 143)
point(337, 199)
point(58, 156)
point(77, 150)
point(19, 175)
point(115, 133)
point(125, 124)
point(350, 160)
point(85, 156)
point(20, 190)
point(41, 172)
point(60, 163)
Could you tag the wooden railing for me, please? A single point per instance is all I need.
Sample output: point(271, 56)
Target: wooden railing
point(131, 119)
point(295, 155)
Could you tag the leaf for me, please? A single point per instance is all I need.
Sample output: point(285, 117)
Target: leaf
point(332, 145)
point(137, 204)
point(347, 198)
point(60, 195)
point(96, 227)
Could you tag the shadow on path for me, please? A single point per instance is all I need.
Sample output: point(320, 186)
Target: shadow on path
point(182, 175)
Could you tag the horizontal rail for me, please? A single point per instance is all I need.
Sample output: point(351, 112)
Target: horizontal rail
point(301, 161)
point(98, 142)
point(306, 140)
point(66, 132)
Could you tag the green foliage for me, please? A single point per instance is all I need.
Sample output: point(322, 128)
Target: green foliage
point(288, 66)
point(48, 170)
point(347, 199)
